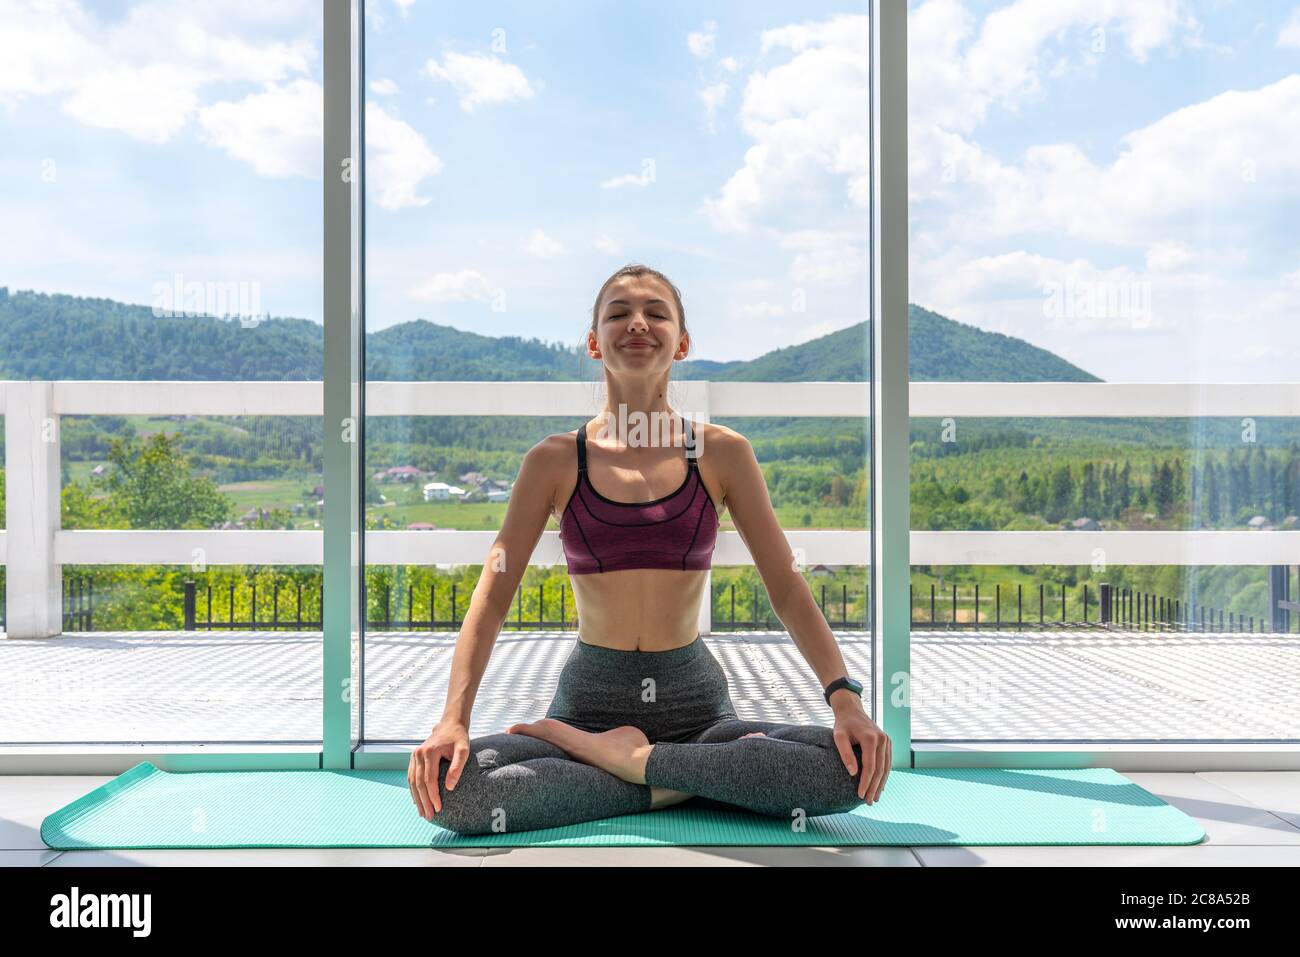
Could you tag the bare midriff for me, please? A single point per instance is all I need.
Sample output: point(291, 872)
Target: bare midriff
point(639, 609)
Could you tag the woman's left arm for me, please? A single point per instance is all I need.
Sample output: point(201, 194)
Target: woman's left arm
point(746, 497)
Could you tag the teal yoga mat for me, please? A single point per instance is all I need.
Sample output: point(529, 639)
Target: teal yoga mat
point(146, 807)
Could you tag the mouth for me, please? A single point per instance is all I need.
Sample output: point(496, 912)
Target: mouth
point(639, 345)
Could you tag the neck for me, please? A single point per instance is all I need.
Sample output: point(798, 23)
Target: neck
point(643, 395)
point(640, 424)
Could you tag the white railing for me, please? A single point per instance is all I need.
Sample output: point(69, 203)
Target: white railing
point(35, 547)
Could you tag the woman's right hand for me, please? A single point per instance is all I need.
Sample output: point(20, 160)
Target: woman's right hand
point(449, 741)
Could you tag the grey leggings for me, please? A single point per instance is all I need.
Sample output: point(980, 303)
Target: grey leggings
point(680, 699)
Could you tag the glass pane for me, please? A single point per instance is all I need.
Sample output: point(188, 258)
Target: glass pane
point(162, 245)
point(516, 158)
point(1100, 206)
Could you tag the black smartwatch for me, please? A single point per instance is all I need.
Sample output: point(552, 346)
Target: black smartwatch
point(845, 682)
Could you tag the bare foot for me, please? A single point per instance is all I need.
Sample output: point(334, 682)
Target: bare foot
point(665, 797)
point(754, 734)
point(621, 751)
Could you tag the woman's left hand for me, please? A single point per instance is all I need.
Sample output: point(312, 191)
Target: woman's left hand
point(852, 726)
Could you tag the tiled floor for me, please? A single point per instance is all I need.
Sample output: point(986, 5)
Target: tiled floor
point(1250, 817)
point(966, 685)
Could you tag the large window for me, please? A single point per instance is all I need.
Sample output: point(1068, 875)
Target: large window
point(160, 342)
point(1102, 194)
point(516, 157)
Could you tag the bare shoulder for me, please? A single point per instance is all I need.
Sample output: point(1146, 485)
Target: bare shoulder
point(552, 459)
point(720, 442)
point(724, 453)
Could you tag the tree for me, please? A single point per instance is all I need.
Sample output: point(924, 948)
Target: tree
point(1062, 493)
point(1163, 489)
point(150, 483)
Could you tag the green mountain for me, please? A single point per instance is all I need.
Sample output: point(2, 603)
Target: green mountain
point(44, 336)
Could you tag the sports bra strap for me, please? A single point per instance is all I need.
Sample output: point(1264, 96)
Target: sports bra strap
point(582, 447)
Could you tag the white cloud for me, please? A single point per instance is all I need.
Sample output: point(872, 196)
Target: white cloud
point(607, 244)
point(277, 131)
point(1289, 36)
point(480, 79)
point(398, 159)
point(151, 103)
point(806, 117)
point(1004, 63)
point(384, 87)
point(1233, 156)
point(543, 246)
point(643, 178)
point(468, 284)
point(752, 310)
point(700, 43)
point(144, 74)
point(404, 6)
point(713, 97)
point(729, 63)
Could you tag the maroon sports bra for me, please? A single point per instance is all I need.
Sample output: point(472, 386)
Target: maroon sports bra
point(676, 531)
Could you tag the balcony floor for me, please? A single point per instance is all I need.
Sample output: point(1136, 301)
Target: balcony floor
point(259, 687)
point(262, 687)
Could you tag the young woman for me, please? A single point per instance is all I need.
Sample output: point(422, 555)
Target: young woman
point(642, 716)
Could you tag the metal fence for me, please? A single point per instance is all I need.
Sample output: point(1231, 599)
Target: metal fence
point(1108, 607)
point(1117, 608)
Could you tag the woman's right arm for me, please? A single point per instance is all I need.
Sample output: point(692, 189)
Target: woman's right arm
point(529, 508)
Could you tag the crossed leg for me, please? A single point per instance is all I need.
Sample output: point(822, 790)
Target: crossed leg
point(763, 766)
point(549, 774)
point(513, 782)
point(767, 767)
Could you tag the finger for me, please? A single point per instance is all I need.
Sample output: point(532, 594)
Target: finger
point(410, 781)
point(868, 767)
point(432, 766)
point(421, 792)
point(888, 764)
point(844, 744)
point(458, 757)
point(882, 766)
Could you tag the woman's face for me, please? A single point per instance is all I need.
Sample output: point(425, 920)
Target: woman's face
point(637, 329)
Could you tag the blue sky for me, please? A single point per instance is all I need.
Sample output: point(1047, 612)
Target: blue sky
point(1115, 181)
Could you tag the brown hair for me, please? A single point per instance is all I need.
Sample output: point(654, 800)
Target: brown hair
point(638, 270)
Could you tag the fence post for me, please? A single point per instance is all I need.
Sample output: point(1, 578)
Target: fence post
point(33, 580)
point(189, 606)
point(1278, 582)
point(1103, 602)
